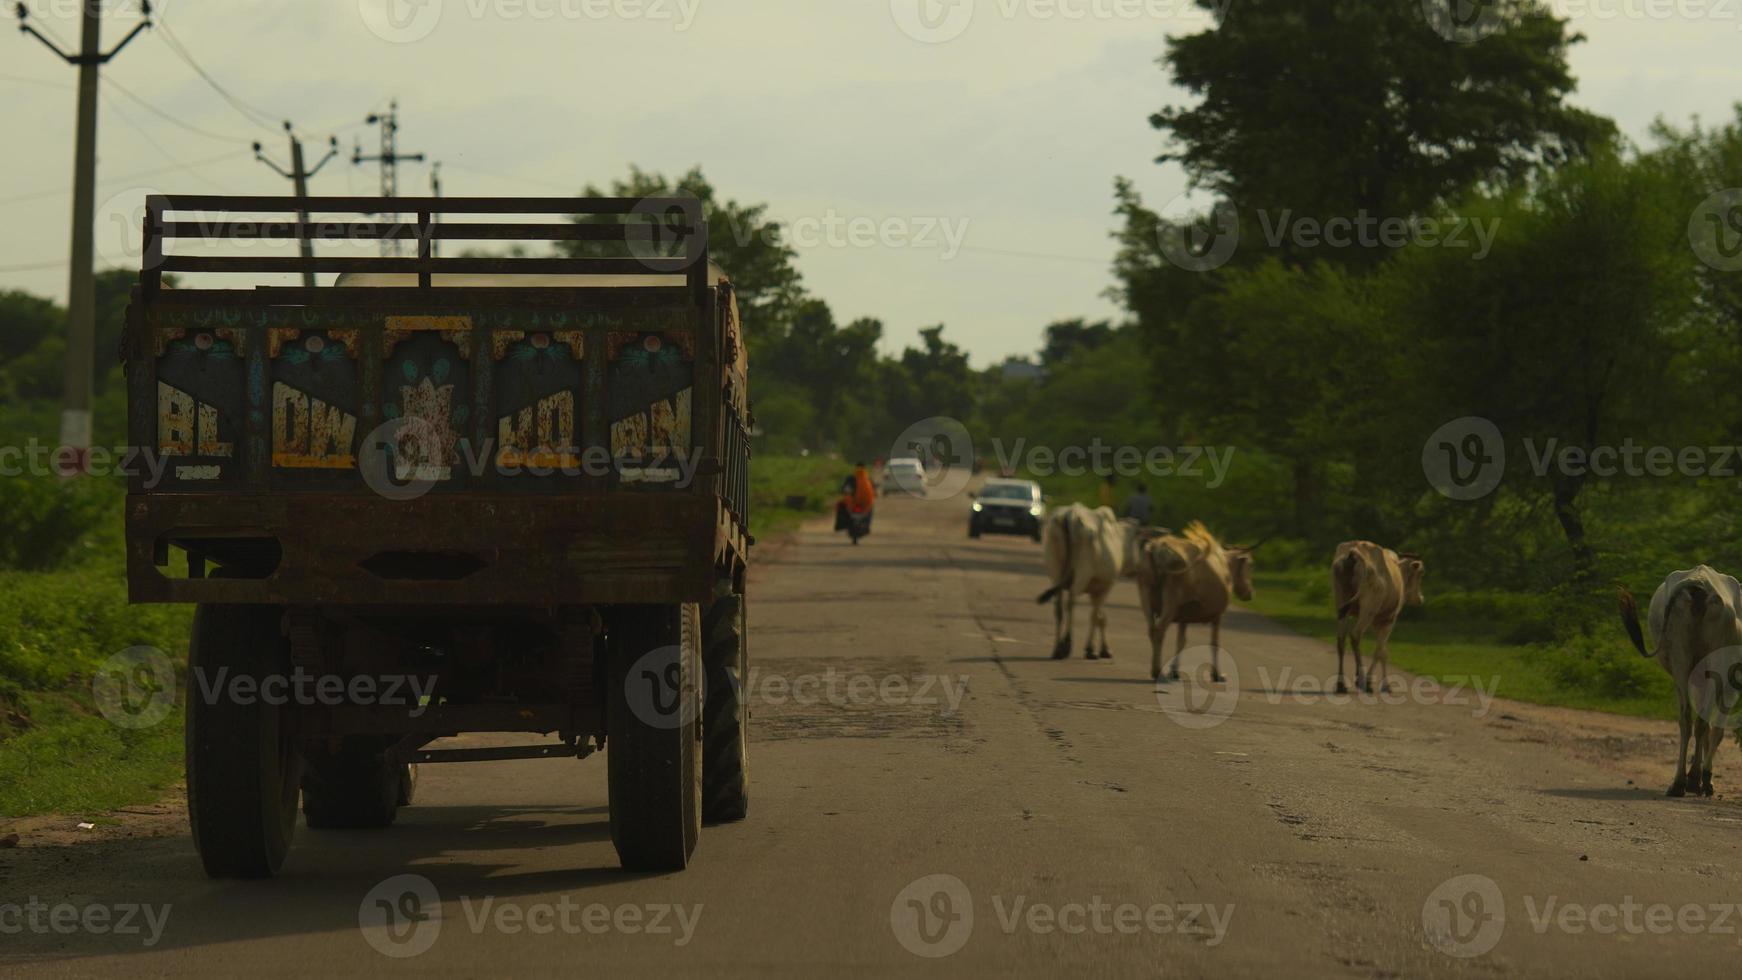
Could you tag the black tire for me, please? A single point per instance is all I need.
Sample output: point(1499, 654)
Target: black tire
point(653, 735)
point(725, 712)
point(973, 531)
point(355, 788)
point(244, 772)
point(407, 785)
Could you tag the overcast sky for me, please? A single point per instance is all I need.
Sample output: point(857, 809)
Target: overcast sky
point(990, 135)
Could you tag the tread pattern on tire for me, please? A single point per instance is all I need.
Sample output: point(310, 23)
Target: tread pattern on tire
point(243, 775)
point(725, 713)
point(654, 773)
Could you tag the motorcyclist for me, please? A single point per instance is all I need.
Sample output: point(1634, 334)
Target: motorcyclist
point(858, 499)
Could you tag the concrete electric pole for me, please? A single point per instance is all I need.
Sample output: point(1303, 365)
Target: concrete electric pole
point(299, 176)
point(75, 422)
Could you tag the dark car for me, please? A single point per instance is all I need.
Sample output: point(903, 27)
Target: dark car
point(1007, 507)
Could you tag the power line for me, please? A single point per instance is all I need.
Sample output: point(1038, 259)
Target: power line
point(565, 188)
point(35, 267)
point(253, 114)
point(171, 118)
point(124, 178)
point(175, 162)
point(1015, 254)
point(45, 83)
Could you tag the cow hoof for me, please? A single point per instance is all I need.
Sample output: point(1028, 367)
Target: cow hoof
point(1707, 791)
point(1106, 654)
point(1173, 675)
point(1089, 654)
point(1342, 686)
point(1677, 791)
point(1061, 653)
point(1384, 688)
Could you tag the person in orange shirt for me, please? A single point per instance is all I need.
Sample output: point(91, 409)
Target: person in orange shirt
point(858, 499)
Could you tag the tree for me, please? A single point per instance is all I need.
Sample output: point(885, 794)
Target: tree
point(741, 240)
point(1336, 110)
point(1069, 337)
point(1574, 333)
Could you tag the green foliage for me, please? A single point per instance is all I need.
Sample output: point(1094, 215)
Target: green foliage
point(45, 517)
point(57, 628)
point(1361, 107)
point(777, 482)
point(1605, 668)
point(28, 320)
point(33, 341)
point(741, 240)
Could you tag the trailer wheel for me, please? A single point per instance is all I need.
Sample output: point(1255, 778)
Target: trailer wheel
point(243, 767)
point(653, 735)
point(407, 784)
point(726, 712)
point(354, 788)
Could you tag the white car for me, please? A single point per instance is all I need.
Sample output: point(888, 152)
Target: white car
point(904, 476)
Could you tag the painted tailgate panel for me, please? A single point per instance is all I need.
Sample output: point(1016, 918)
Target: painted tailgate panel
point(299, 399)
point(200, 421)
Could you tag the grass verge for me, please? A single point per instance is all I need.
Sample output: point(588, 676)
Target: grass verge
point(1458, 637)
point(784, 490)
point(58, 752)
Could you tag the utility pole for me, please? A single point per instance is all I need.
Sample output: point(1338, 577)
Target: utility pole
point(299, 177)
point(389, 158)
point(80, 378)
point(435, 190)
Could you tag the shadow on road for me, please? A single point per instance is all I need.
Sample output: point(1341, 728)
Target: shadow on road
point(1613, 793)
point(324, 883)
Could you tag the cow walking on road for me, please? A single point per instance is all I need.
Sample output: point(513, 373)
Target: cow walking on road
point(1370, 585)
point(1186, 579)
point(1695, 625)
point(1087, 553)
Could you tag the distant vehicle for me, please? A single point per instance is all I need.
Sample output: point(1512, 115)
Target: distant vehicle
point(1008, 507)
point(904, 476)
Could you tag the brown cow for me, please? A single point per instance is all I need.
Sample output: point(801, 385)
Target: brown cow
point(1370, 586)
point(1187, 579)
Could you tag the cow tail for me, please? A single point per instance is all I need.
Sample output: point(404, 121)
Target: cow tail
point(1349, 583)
point(1630, 621)
point(1064, 526)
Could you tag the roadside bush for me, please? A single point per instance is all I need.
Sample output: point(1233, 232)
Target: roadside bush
point(43, 518)
point(1603, 668)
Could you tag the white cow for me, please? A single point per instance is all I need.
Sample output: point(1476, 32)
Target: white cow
point(1695, 624)
point(1087, 553)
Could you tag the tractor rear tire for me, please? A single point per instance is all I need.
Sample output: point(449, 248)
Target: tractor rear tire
point(244, 771)
point(653, 730)
point(726, 712)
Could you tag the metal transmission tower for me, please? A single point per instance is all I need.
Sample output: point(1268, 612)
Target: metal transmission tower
point(299, 176)
point(389, 158)
point(75, 420)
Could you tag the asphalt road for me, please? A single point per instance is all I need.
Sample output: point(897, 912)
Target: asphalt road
point(933, 795)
